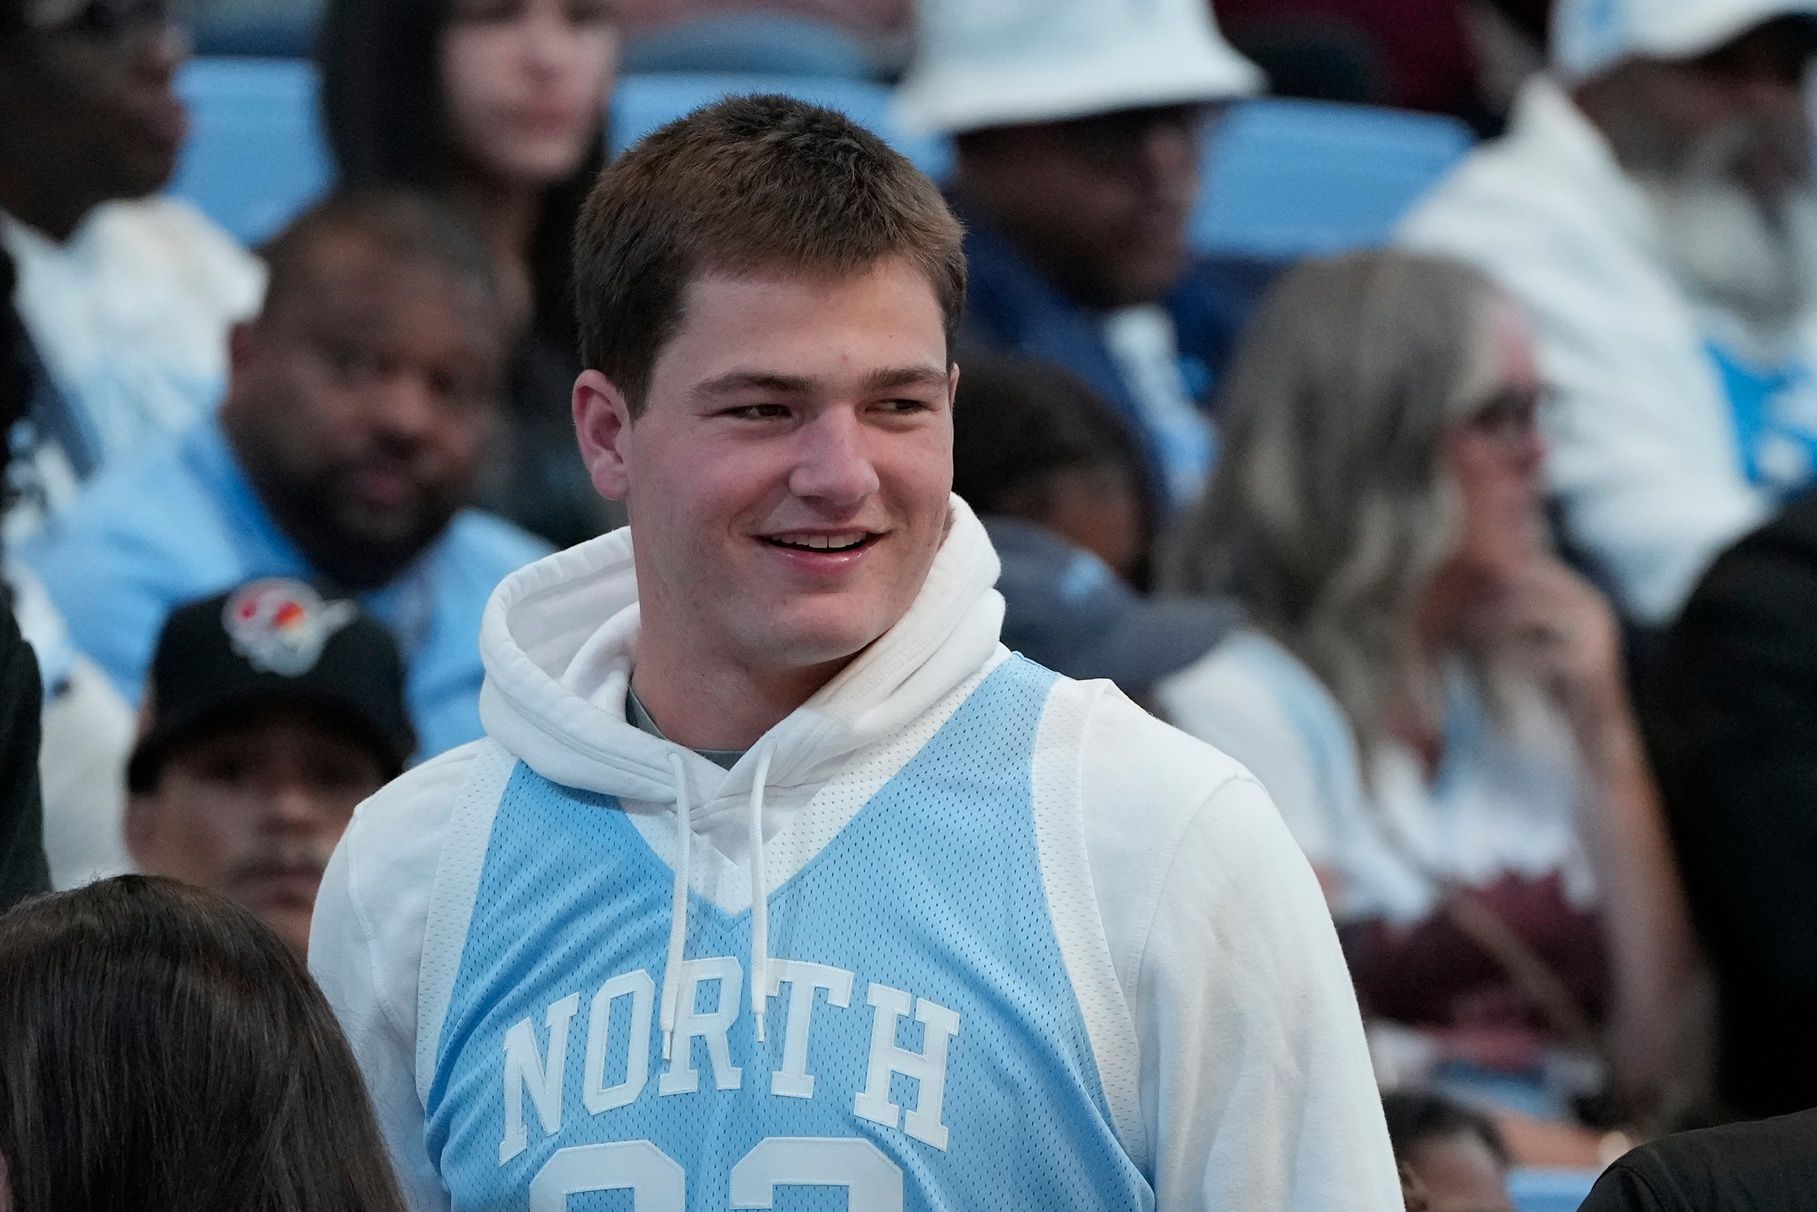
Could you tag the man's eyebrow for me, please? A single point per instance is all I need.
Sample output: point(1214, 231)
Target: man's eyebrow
point(894, 377)
point(734, 382)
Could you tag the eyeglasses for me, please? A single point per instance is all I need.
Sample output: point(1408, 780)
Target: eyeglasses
point(106, 20)
point(1510, 414)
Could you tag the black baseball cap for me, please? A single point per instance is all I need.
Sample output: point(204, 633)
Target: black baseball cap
point(267, 644)
point(1064, 608)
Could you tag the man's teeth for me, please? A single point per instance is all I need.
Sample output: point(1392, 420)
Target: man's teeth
point(821, 542)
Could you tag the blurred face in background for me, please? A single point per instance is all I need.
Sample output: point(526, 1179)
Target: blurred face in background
point(1099, 203)
point(525, 84)
point(253, 811)
point(1495, 457)
point(87, 96)
point(1722, 146)
point(1460, 1173)
point(361, 401)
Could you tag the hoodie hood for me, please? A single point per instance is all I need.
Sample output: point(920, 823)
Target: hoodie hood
point(559, 636)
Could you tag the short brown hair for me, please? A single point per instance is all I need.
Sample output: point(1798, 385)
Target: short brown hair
point(749, 184)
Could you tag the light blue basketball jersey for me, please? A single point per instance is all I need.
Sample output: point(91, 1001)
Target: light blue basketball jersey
point(925, 1048)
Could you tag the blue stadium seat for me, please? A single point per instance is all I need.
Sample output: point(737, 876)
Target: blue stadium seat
point(255, 155)
point(1550, 1190)
point(759, 41)
point(1287, 179)
point(644, 101)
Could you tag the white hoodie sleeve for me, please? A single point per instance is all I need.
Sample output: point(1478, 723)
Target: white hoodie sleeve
point(1254, 1082)
point(366, 948)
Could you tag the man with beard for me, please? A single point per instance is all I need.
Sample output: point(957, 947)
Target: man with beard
point(358, 409)
point(271, 714)
point(127, 297)
point(1654, 207)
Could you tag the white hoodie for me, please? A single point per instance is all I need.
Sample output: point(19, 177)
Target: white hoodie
point(1219, 1012)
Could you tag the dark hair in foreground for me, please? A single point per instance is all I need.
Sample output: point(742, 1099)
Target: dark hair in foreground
point(386, 123)
point(160, 1049)
point(761, 184)
point(1417, 1116)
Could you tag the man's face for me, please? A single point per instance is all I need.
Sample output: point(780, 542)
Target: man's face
point(96, 94)
point(788, 477)
point(1722, 148)
point(361, 402)
point(1100, 203)
point(1742, 106)
point(253, 812)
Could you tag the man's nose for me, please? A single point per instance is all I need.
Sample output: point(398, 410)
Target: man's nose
point(405, 406)
point(293, 803)
point(833, 465)
point(550, 43)
point(1167, 155)
point(158, 51)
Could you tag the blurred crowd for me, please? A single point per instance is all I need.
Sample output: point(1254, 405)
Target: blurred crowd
point(1491, 551)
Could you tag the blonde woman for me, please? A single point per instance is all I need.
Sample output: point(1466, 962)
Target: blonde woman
point(1436, 702)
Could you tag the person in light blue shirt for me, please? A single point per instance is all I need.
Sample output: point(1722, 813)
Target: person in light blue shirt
point(359, 408)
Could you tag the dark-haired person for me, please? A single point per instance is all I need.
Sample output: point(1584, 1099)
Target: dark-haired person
point(161, 1049)
point(1454, 1154)
point(498, 106)
point(22, 860)
point(361, 404)
point(776, 869)
point(1057, 480)
point(270, 713)
point(128, 297)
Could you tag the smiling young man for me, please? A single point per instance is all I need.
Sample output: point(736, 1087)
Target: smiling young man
point(776, 870)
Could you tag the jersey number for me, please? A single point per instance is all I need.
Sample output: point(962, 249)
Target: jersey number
point(657, 1182)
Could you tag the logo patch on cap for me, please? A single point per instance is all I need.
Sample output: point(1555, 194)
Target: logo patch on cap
point(281, 626)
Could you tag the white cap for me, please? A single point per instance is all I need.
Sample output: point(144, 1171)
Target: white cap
point(1590, 36)
point(983, 63)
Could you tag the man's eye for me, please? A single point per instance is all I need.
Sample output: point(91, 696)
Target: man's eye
point(904, 407)
point(350, 361)
point(591, 12)
point(758, 412)
point(227, 770)
point(486, 11)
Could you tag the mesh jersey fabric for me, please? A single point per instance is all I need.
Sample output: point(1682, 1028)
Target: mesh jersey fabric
point(927, 914)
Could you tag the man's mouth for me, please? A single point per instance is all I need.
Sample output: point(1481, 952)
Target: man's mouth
point(850, 540)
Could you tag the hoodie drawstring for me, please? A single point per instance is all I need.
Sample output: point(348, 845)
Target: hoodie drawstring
point(678, 905)
point(760, 898)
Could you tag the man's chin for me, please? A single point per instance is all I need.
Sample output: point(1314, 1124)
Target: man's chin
point(1735, 251)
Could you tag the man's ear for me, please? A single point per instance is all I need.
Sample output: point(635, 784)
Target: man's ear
point(602, 425)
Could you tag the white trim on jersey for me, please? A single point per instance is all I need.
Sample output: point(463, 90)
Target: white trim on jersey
point(451, 906)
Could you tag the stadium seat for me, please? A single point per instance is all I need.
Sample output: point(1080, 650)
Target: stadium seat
point(1287, 179)
point(1550, 1190)
point(255, 155)
point(760, 41)
point(645, 101)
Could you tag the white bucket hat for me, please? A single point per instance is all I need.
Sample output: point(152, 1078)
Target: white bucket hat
point(982, 63)
point(1590, 36)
